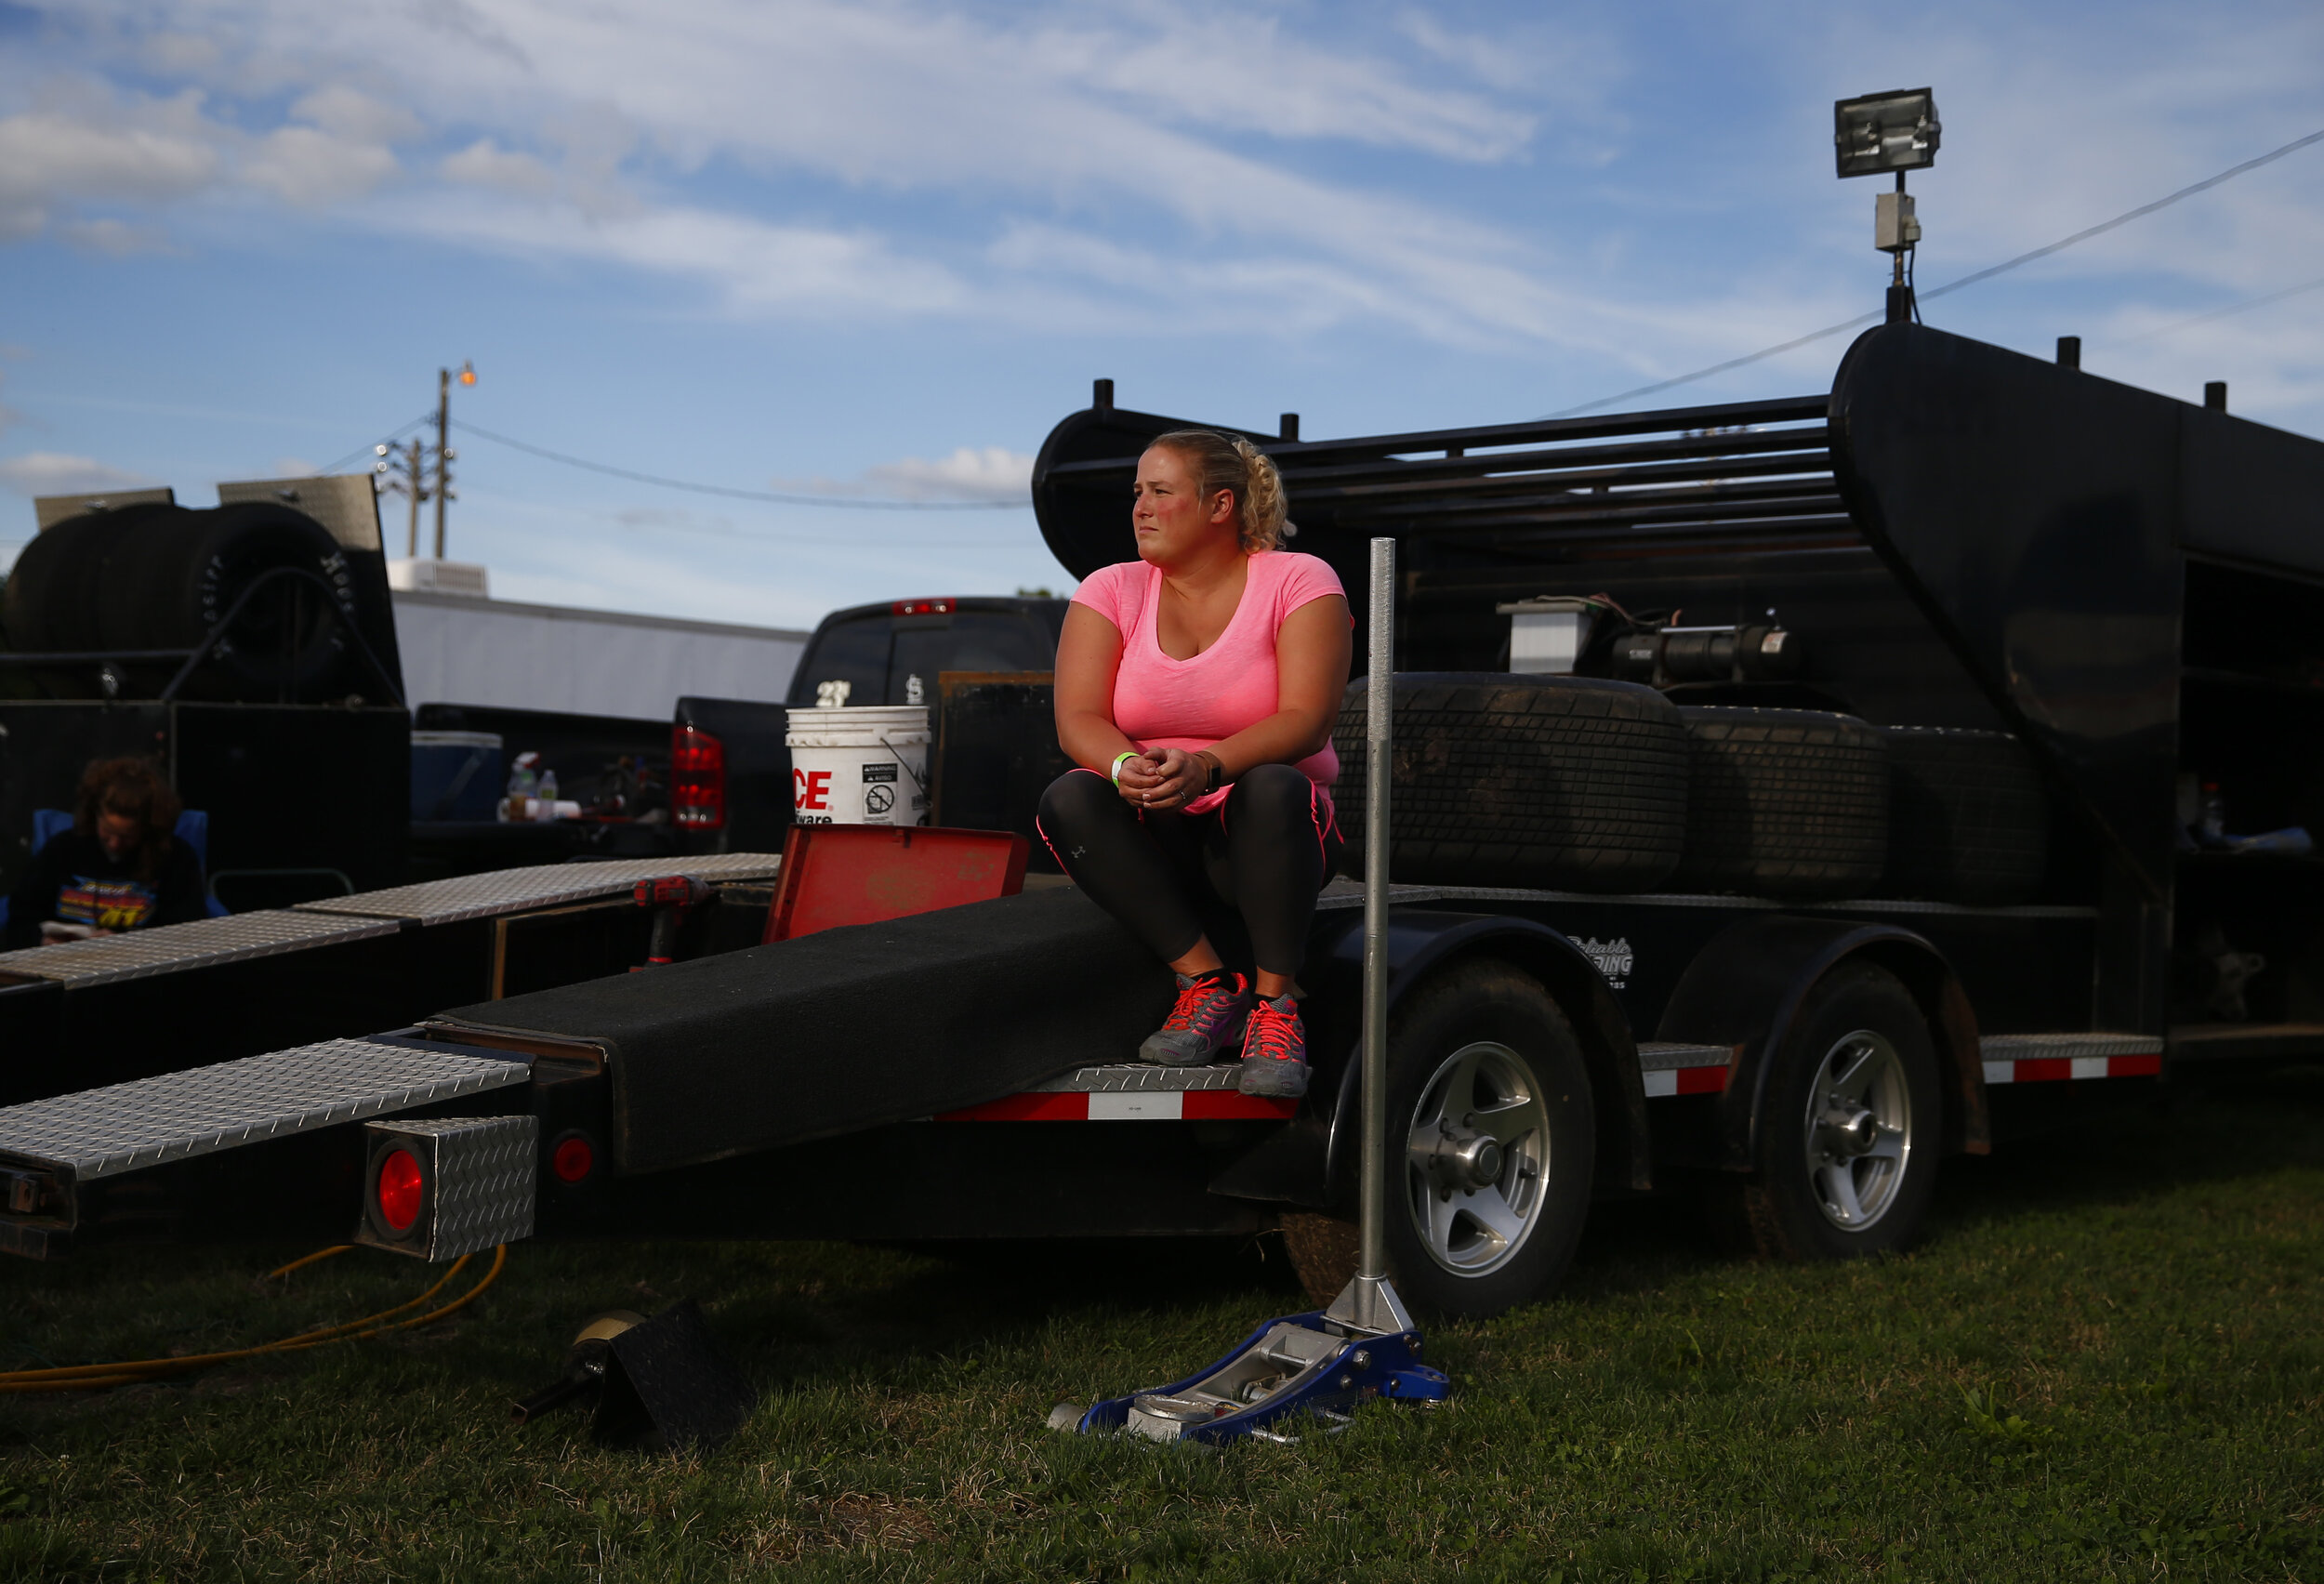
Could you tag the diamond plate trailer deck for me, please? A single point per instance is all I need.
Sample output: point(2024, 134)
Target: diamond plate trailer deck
point(87, 1013)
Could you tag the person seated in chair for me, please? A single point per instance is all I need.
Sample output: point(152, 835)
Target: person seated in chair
point(1196, 688)
point(118, 867)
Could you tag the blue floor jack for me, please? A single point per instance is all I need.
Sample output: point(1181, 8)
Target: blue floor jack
point(1303, 1368)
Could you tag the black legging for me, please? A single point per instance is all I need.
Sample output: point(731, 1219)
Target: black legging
point(1265, 851)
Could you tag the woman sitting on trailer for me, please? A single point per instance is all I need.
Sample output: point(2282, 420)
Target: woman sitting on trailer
point(1196, 688)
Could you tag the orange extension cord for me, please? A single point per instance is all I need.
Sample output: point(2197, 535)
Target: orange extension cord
point(91, 1376)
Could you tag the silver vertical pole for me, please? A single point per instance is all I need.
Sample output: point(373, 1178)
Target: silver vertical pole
point(1379, 726)
point(1369, 1304)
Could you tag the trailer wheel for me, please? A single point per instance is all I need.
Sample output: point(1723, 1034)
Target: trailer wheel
point(1577, 783)
point(1784, 802)
point(1966, 819)
point(1493, 1139)
point(1847, 1146)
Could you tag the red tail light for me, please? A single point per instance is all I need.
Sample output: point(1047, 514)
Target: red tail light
point(400, 1189)
point(574, 1158)
point(697, 778)
point(922, 607)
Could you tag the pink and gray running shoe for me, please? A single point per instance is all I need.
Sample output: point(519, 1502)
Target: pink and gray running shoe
point(1207, 1020)
point(1274, 1050)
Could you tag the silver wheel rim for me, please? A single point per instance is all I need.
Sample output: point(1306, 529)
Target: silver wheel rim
point(1477, 1159)
point(1859, 1130)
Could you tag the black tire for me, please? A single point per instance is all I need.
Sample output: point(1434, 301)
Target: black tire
point(1503, 1024)
point(1784, 802)
point(1967, 822)
point(1781, 1210)
point(1572, 783)
point(173, 580)
point(59, 586)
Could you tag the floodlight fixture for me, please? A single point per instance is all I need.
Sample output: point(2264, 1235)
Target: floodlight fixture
point(1871, 136)
point(1897, 130)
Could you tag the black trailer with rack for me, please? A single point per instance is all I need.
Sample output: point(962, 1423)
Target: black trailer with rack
point(1787, 794)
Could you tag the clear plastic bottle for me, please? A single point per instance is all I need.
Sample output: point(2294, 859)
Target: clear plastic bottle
point(547, 805)
point(2212, 822)
point(523, 786)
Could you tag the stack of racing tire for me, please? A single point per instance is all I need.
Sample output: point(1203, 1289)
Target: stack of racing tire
point(160, 578)
point(1581, 784)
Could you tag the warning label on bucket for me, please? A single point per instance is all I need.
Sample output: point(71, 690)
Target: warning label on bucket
point(879, 799)
point(878, 772)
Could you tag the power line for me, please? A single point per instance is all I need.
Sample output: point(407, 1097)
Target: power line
point(2228, 311)
point(810, 537)
point(392, 436)
point(1969, 280)
point(776, 496)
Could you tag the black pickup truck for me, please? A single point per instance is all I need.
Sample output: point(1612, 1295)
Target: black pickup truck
point(718, 779)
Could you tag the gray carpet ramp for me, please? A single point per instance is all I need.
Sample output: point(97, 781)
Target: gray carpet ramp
point(852, 1028)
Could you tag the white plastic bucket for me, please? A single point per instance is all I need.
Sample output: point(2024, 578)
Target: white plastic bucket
point(866, 765)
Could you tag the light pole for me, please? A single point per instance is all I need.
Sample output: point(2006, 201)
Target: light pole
point(444, 444)
point(1897, 131)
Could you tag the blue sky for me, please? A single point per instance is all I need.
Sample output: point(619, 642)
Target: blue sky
point(878, 248)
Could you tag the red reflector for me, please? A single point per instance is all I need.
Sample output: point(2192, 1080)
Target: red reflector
point(922, 607)
point(400, 1185)
point(573, 1160)
point(697, 778)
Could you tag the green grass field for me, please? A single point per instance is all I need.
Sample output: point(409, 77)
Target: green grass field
point(2105, 1362)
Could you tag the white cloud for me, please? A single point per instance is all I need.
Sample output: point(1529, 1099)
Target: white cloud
point(1160, 166)
point(752, 264)
point(486, 164)
point(991, 472)
point(307, 166)
point(119, 238)
point(356, 116)
point(1015, 118)
point(70, 156)
point(49, 473)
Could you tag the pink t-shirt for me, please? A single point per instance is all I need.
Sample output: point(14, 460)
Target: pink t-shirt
point(1162, 703)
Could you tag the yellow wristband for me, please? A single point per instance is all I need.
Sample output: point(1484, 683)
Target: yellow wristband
point(1118, 760)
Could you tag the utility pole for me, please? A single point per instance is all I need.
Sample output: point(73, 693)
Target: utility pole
point(444, 452)
point(409, 473)
point(405, 472)
point(419, 492)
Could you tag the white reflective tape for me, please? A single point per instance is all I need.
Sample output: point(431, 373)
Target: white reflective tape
point(1167, 1105)
point(2001, 1072)
point(1662, 1084)
point(2090, 1066)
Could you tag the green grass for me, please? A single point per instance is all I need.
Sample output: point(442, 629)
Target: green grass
point(2105, 1363)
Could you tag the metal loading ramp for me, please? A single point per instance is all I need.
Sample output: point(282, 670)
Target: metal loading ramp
point(209, 942)
point(104, 1133)
point(172, 948)
point(548, 885)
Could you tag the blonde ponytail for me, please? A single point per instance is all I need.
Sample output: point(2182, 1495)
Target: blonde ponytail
point(1233, 464)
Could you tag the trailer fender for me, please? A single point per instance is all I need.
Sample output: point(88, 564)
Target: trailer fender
point(1421, 942)
point(1746, 987)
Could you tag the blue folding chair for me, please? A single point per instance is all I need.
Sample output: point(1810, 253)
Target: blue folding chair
point(192, 828)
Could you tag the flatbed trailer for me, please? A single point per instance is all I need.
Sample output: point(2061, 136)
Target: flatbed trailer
point(1957, 538)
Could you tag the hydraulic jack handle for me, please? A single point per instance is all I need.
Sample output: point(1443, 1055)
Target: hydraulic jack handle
point(670, 897)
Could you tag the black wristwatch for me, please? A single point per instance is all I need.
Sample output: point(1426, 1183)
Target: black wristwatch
point(1217, 769)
